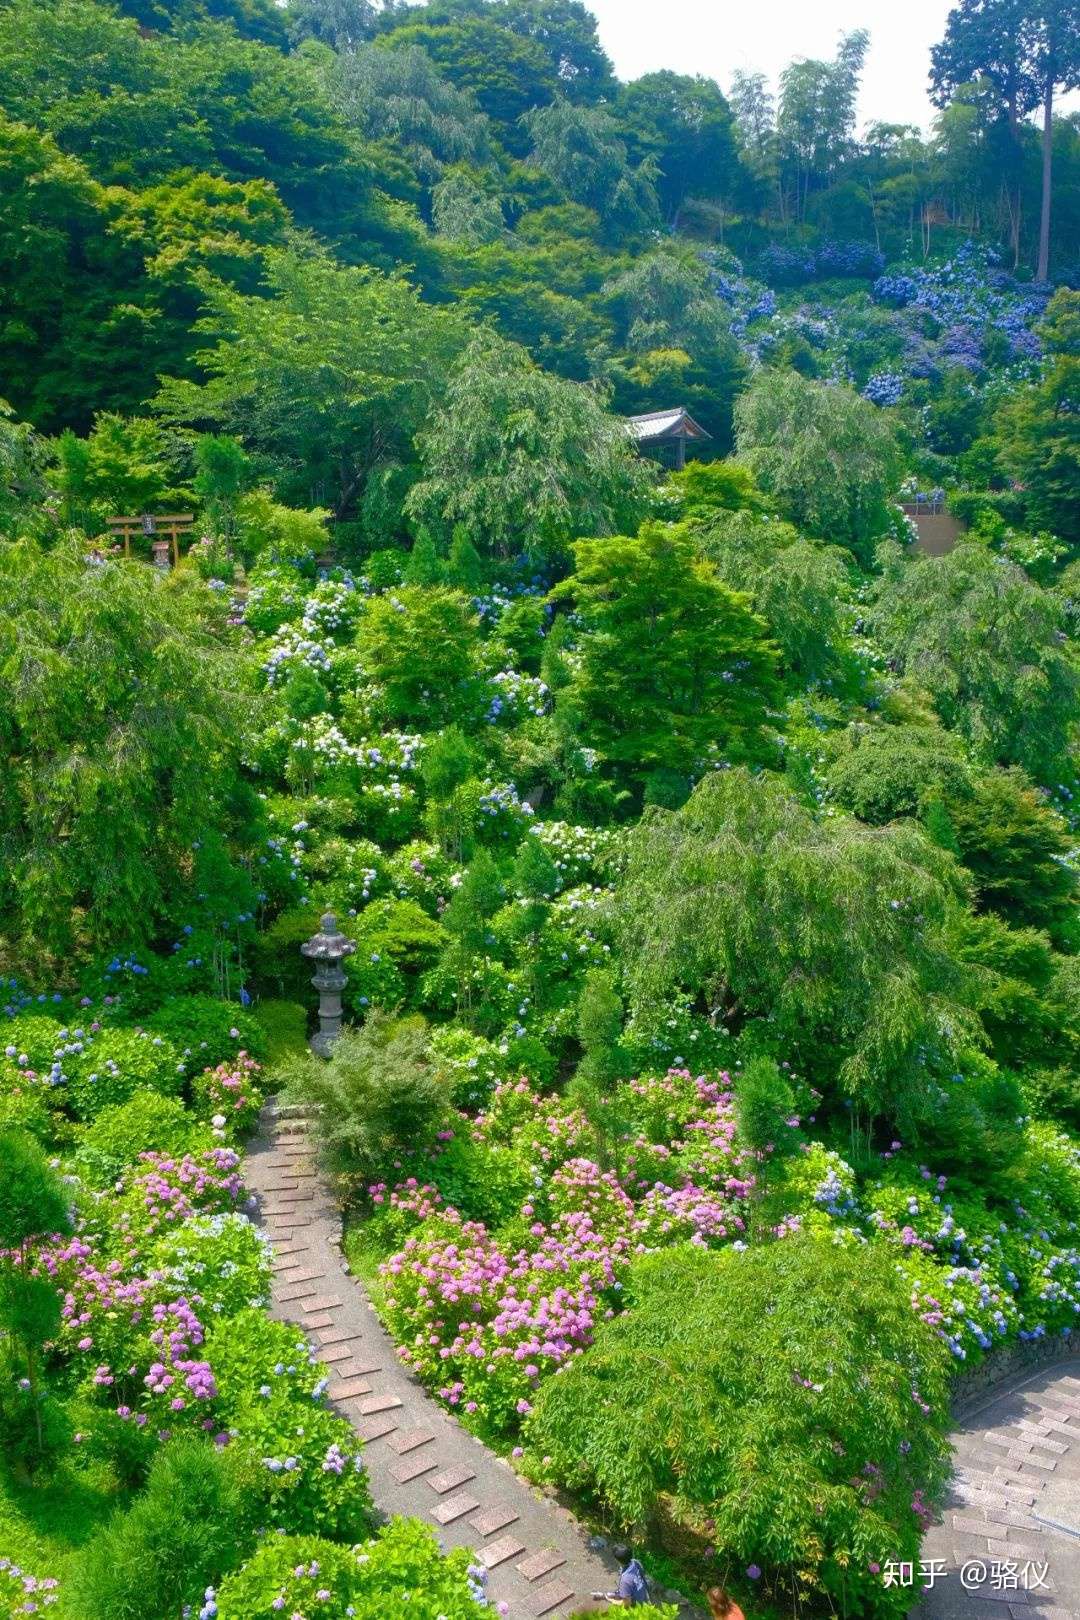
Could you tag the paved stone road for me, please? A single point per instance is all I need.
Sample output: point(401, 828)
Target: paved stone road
point(1013, 1508)
point(419, 1461)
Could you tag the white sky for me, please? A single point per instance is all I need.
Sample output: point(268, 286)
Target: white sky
point(707, 37)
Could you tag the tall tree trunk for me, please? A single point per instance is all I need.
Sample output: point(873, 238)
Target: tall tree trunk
point(1014, 209)
point(1043, 270)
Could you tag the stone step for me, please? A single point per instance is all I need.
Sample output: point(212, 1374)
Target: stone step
point(348, 1389)
point(412, 1467)
point(551, 1597)
point(410, 1440)
point(453, 1508)
point(541, 1563)
point(375, 1404)
point(375, 1428)
point(492, 1519)
point(497, 1552)
point(451, 1478)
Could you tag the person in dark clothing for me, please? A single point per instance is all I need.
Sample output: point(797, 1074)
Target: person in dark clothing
point(633, 1587)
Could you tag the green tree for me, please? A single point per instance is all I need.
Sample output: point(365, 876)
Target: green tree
point(828, 935)
point(256, 19)
point(33, 1206)
point(463, 211)
point(798, 586)
point(446, 764)
point(684, 126)
point(52, 213)
point(1039, 428)
point(22, 466)
point(464, 565)
point(120, 724)
point(418, 644)
point(526, 461)
point(672, 667)
point(815, 118)
point(122, 466)
point(328, 376)
point(400, 96)
point(597, 1083)
point(1017, 846)
point(552, 48)
point(344, 25)
point(680, 346)
point(580, 150)
point(223, 475)
point(988, 644)
point(880, 772)
point(764, 1106)
point(506, 73)
point(1028, 50)
point(467, 920)
point(828, 459)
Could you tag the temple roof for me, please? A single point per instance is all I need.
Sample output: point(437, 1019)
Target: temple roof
point(655, 426)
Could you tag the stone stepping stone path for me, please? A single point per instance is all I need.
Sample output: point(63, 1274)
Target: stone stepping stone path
point(1008, 1544)
point(421, 1463)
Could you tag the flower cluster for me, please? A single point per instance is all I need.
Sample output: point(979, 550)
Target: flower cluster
point(230, 1095)
point(484, 1318)
point(22, 1593)
point(884, 388)
point(517, 695)
point(580, 853)
point(165, 1190)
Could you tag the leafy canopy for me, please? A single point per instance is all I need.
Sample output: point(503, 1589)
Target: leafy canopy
point(829, 930)
point(526, 461)
point(989, 645)
point(672, 666)
point(121, 722)
point(829, 459)
point(328, 376)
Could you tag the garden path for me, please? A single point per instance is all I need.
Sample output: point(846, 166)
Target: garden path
point(1013, 1507)
point(1007, 1546)
point(421, 1463)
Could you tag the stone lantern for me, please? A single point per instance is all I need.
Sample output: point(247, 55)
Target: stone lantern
point(328, 949)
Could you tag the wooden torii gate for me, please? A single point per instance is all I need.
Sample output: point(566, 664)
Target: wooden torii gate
point(169, 527)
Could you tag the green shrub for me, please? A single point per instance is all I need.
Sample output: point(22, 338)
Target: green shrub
point(889, 771)
point(380, 1094)
point(24, 1102)
point(251, 1352)
point(310, 1467)
point(307, 1460)
point(783, 1403)
point(368, 1582)
point(35, 1424)
point(475, 1066)
point(972, 1122)
point(482, 1183)
point(146, 1123)
point(32, 1040)
point(643, 1611)
point(279, 966)
point(115, 1064)
point(194, 1522)
point(208, 1031)
point(221, 1259)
